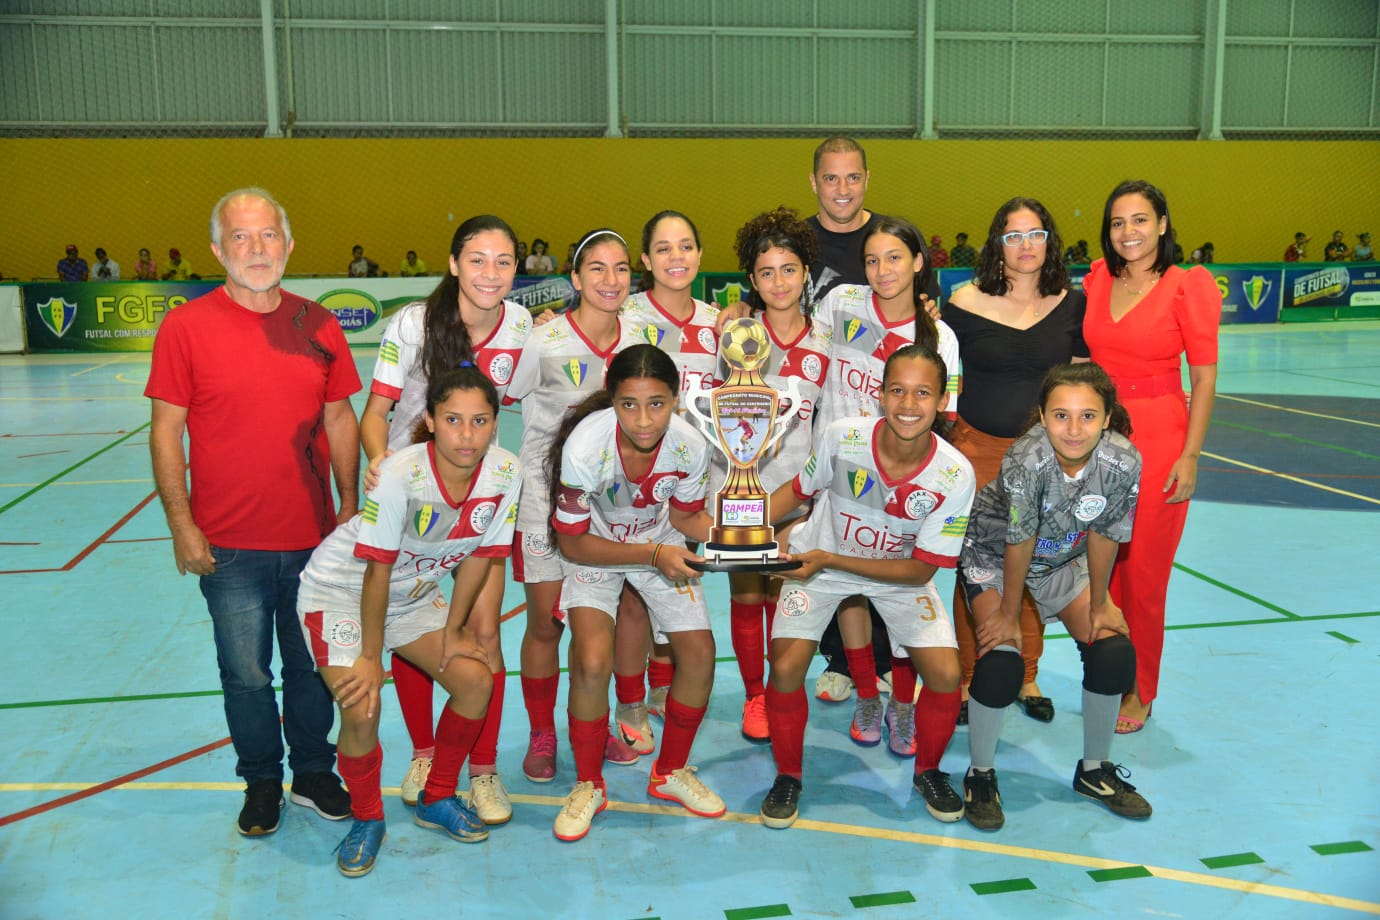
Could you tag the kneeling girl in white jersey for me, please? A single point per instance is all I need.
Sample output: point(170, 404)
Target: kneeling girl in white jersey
point(1053, 520)
point(446, 505)
point(628, 480)
point(891, 501)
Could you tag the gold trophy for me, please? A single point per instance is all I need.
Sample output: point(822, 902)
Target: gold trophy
point(744, 419)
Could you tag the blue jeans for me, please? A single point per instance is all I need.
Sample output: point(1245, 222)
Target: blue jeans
point(250, 594)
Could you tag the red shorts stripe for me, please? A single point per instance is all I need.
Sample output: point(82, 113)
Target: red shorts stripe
point(320, 649)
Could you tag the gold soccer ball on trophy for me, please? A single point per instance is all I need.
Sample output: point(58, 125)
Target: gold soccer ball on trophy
point(744, 343)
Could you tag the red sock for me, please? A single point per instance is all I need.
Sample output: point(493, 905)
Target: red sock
point(770, 610)
point(630, 688)
point(902, 679)
point(786, 716)
point(682, 722)
point(539, 696)
point(659, 673)
point(361, 775)
point(484, 757)
point(587, 740)
point(935, 718)
point(455, 736)
point(863, 669)
point(414, 689)
point(745, 622)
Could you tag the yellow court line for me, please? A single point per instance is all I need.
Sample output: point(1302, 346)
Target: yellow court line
point(96, 367)
point(1334, 418)
point(846, 830)
point(1286, 476)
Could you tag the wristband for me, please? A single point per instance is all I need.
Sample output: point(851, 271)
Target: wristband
point(655, 553)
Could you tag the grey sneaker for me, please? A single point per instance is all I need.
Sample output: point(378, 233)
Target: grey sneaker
point(867, 721)
point(900, 728)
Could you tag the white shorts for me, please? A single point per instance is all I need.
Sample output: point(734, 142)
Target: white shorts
point(1052, 591)
point(331, 623)
point(536, 558)
point(672, 606)
point(915, 616)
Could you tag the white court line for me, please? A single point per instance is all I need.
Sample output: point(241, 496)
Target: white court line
point(1334, 418)
point(1286, 476)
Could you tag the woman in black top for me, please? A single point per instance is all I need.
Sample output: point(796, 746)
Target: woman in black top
point(1016, 321)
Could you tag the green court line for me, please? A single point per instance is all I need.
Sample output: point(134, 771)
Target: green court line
point(1291, 437)
point(1343, 636)
point(56, 476)
point(1005, 886)
point(1269, 621)
point(753, 913)
point(1237, 591)
point(883, 899)
point(1232, 861)
point(1337, 849)
point(1116, 875)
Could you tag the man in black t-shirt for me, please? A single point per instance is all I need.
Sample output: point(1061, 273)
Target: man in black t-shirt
point(839, 180)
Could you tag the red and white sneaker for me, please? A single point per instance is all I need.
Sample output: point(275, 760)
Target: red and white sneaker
point(684, 786)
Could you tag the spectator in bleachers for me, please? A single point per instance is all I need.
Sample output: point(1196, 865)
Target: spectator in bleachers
point(939, 256)
point(1203, 255)
point(1337, 250)
point(179, 269)
point(1077, 254)
point(539, 262)
point(72, 267)
point(568, 265)
point(962, 255)
point(521, 258)
point(146, 269)
point(105, 268)
point(1363, 252)
point(361, 266)
point(1298, 250)
point(412, 266)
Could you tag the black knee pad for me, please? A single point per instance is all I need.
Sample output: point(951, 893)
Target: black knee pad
point(1109, 665)
point(997, 678)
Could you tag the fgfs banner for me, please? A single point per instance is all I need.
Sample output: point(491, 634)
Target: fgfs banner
point(101, 316)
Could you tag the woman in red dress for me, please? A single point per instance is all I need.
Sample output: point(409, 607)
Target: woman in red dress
point(1143, 313)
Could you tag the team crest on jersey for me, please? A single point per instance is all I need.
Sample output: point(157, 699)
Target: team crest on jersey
point(504, 472)
point(346, 633)
point(920, 503)
point(681, 454)
point(575, 371)
point(501, 368)
point(425, 519)
point(707, 340)
point(612, 491)
point(482, 515)
point(811, 368)
point(653, 335)
point(537, 545)
point(978, 575)
point(951, 473)
point(589, 576)
point(860, 483)
point(605, 460)
point(57, 314)
point(416, 475)
point(664, 487)
point(853, 330)
point(1089, 507)
point(852, 435)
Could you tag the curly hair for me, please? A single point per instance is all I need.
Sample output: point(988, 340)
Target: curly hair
point(781, 227)
point(990, 275)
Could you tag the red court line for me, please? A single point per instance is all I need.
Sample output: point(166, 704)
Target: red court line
point(45, 453)
point(72, 563)
point(112, 783)
point(512, 613)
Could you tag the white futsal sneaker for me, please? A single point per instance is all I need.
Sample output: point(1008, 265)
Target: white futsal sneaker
point(415, 780)
point(833, 687)
point(635, 727)
point(489, 799)
point(684, 786)
point(578, 810)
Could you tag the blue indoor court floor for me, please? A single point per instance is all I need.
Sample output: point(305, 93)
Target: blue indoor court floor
point(118, 795)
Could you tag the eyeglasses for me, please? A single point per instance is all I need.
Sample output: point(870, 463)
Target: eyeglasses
point(1034, 236)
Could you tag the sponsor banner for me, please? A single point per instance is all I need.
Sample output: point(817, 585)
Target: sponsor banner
point(102, 315)
point(1332, 284)
point(11, 319)
point(543, 292)
point(1250, 293)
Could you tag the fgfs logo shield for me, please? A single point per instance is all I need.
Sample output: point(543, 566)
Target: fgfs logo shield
point(58, 315)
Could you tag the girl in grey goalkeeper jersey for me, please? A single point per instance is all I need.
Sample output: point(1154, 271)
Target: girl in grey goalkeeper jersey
point(1053, 519)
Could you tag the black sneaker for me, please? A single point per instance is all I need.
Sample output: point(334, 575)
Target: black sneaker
point(321, 793)
point(1105, 785)
point(982, 800)
point(962, 714)
point(782, 805)
point(263, 803)
point(940, 799)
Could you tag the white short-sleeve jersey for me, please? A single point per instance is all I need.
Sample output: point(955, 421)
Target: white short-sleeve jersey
point(410, 523)
point(596, 495)
point(400, 376)
point(1033, 497)
point(860, 340)
point(692, 344)
point(558, 368)
point(859, 511)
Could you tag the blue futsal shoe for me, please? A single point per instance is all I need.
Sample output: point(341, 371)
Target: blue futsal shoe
point(360, 848)
point(452, 816)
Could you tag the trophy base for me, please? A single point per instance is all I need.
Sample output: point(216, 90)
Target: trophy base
point(721, 557)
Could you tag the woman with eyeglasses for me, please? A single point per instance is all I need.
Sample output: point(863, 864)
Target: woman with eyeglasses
point(1014, 322)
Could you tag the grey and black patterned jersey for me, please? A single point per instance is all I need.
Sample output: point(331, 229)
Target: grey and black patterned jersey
point(1034, 498)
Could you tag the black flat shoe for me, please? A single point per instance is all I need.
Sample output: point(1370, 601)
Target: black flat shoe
point(1039, 708)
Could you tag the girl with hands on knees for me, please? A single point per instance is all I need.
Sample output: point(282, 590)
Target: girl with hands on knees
point(443, 506)
point(628, 481)
point(1051, 523)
